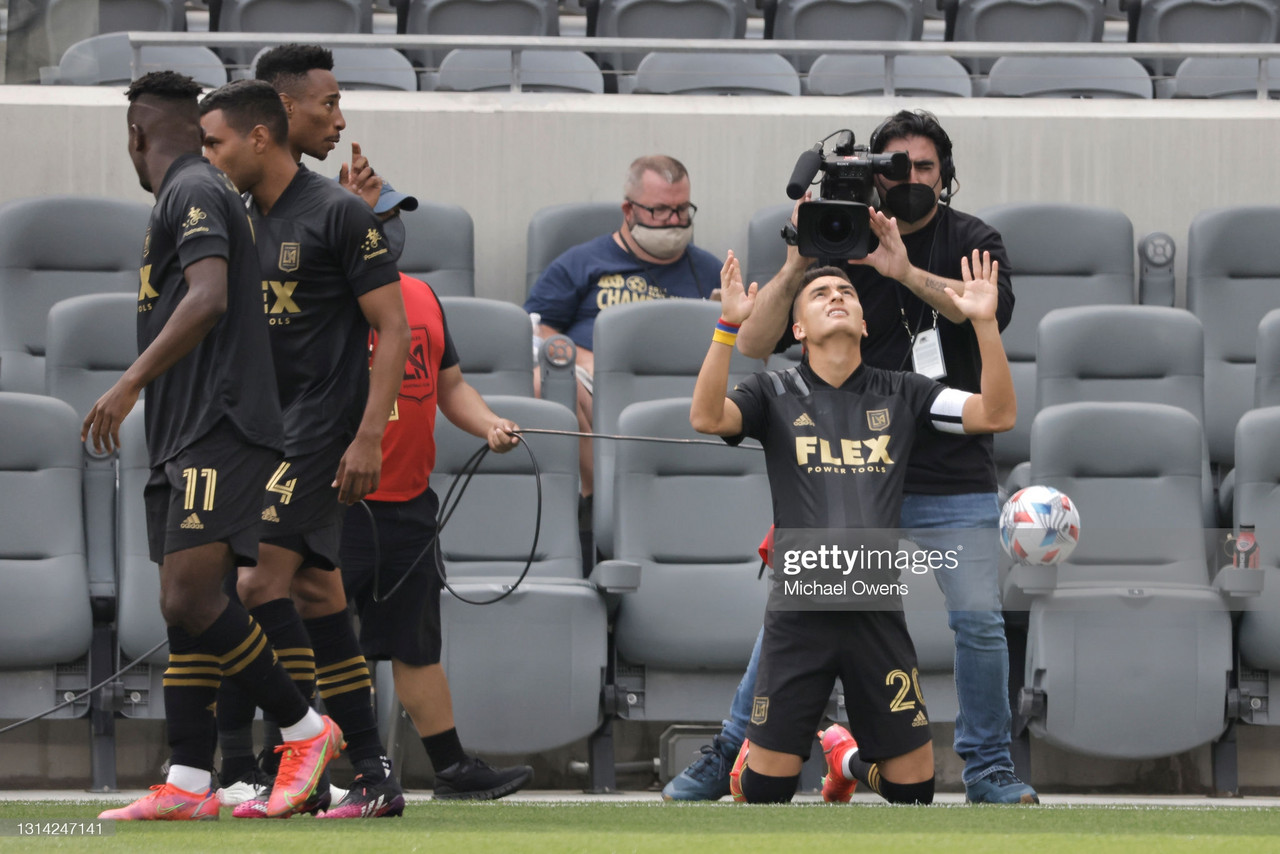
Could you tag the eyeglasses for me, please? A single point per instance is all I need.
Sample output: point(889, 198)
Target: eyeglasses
point(663, 213)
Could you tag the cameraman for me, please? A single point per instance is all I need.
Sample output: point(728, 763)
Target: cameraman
point(951, 479)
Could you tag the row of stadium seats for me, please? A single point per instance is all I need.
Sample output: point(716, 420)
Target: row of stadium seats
point(107, 61)
point(1138, 619)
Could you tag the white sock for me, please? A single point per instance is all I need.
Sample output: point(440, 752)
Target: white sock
point(193, 780)
point(844, 764)
point(310, 726)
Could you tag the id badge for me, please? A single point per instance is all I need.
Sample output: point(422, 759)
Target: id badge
point(926, 355)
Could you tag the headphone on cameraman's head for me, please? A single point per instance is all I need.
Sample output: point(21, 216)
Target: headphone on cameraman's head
point(919, 123)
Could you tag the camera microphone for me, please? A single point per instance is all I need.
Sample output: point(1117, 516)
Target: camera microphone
point(806, 169)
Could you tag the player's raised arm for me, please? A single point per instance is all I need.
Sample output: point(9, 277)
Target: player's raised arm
point(711, 411)
point(995, 408)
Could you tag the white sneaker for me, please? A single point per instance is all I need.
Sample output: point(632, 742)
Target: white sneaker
point(237, 793)
point(337, 793)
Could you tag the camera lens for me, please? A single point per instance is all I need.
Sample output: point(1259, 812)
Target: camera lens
point(835, 228)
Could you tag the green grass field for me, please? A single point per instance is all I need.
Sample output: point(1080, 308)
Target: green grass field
point(562, 828)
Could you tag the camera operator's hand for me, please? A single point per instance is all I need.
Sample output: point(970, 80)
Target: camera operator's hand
point(981, 290)
point(890, 257)
point(736, 302)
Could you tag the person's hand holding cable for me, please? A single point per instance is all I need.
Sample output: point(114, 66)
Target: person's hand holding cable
point(503, 435)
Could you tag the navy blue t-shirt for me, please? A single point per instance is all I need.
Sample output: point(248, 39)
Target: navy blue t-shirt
point(599, 274)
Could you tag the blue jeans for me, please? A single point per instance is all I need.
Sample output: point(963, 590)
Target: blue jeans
point(982, 655)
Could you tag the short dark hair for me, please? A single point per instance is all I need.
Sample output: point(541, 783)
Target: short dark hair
point(166, 85)
point(812, 274)
point(905, 123)
point(248, 103)
point(284, 66)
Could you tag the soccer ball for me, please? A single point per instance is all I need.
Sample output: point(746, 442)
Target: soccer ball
point(1039, 526)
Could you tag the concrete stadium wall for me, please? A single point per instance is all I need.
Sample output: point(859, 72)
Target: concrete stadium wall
point(503, 156)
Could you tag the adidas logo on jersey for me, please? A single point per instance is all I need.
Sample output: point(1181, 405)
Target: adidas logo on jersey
point(192, 523)
point(803, 421)
point(920, 720)
point(269, 515)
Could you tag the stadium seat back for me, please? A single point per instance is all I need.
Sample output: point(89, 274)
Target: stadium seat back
point(555, 229)
point(439, 248)
point(494, 344)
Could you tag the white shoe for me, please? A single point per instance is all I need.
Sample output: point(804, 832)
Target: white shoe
point(337, 793)
point(237, 793)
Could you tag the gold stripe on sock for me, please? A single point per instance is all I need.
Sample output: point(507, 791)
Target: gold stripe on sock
point(350, 662)
point(191, 683)
point(249, 658)
point(355, 686)
point(255, 632)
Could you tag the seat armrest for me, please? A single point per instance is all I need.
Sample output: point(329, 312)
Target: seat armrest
point(616, 576)
point(1034, 580)
point(1238, 581)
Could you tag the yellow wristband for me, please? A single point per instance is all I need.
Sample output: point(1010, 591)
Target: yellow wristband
point(722, 337)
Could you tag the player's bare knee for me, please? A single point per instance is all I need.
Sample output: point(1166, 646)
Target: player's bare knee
point(915, 766)
point(318, 593)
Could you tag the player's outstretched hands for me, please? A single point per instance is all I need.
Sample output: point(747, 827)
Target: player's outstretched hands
point(104, 419)
point(359, 177)
point(503, 436)
point(736, 302)
point(981, 293)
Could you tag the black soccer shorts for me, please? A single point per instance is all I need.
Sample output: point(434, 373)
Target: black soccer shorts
point(301, 511)
point(210, 492)
point(869, 651)
point(399, 602)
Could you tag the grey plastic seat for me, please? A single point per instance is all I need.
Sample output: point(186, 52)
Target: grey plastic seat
point(855, 20)
point(1258, 504)
point(1068, 77)
point(107, 60)
point(766, 250)
point(92, 340)
point(47, 624)
point(493, 343)
point(545, 644)
point(645, 351)
point(1233, 279)
point(914, 76)
point(1094, 267)
point(1267, 382)
point(1130, 622)
point(684, 19)
point(118, 16)
point(690, 518)
point(1024, 21)
point(1203, 77)
point(662, 73)
point(439, 248)
point(478, 18)
point(1197, 21)
point(557, 228)
point(282, 16)
point(41, 263)
point(540, 71)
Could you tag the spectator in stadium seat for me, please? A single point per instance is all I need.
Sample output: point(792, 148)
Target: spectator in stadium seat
point(951, 480)
point(650, 256)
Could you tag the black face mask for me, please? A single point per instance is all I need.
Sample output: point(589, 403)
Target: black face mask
point(910, 202)
point(393, 230)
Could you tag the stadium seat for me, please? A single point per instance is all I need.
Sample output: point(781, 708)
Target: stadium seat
point(1233, 279)
point(1266, 391)
point(645, 351)
point(439, 248)
point(92, 340)
point(1093, 267)
point(1023, 21)
point(119, 16)
point(1258, 504)
point(1129, 647)
point(766, 251)
point(46, 624)
point(1200, 21)
point(282, 16)
point(690, 518)
point(684, 19)
point(478, 18)
point(854, 20)
point(540, 71)
point(1205, 77)
point(526, 674)
point(493, 340)
point(139, 624)
point(558, 228)
point(51, 248)
point(107, 60)
point(913, 76)
point(662, 73)
point(1068, 77)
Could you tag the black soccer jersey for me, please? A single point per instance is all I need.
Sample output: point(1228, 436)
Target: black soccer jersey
point(198, 215)
point(837, 457)
point(320, 248)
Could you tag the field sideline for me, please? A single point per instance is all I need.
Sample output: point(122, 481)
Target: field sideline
point(542, 823)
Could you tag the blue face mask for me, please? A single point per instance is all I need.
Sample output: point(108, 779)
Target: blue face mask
point(910, 202)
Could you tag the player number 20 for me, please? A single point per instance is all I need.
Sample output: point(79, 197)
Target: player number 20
point(905, 683)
